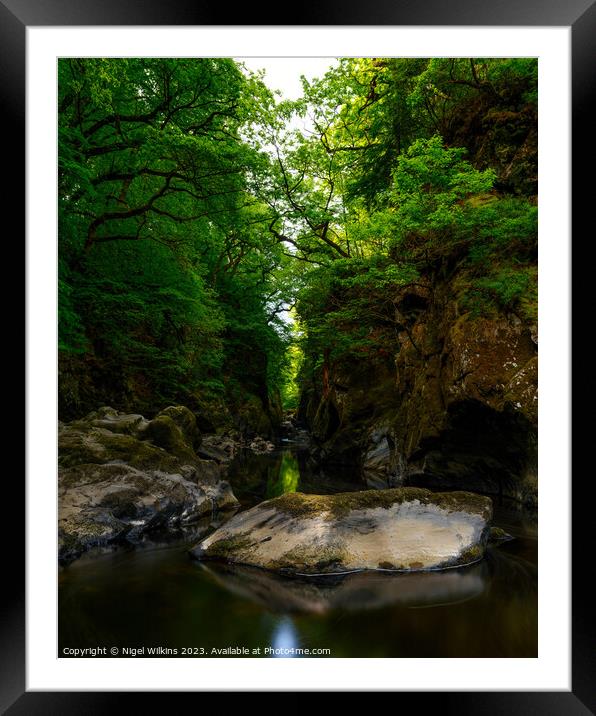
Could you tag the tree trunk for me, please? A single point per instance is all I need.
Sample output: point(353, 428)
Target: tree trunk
point(326, 388)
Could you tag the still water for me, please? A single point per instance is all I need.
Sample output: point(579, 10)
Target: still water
point(156, 596)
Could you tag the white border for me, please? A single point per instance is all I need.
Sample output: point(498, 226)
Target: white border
point(551, 670)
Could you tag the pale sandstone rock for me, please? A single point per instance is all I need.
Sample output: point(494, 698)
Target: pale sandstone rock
point(405, 529)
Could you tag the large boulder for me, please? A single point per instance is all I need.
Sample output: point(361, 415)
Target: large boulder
point(122, 477)
point(405, 529)
point(186, 422)
point(163, 432)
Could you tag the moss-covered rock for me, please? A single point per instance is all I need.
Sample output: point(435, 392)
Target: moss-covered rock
point(252, 417)
point(498, 535)
point(163, 432)
point(402, 529)
point(123, 483)
point(186, 422)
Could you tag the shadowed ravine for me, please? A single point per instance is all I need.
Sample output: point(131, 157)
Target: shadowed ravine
point(158, 596)
point(350, 271)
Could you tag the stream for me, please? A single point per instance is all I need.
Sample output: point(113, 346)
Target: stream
point(156, 596)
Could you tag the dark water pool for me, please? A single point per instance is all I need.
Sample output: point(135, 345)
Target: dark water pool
point(158, 597)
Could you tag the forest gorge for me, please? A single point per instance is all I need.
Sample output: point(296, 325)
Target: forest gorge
point(363, 259)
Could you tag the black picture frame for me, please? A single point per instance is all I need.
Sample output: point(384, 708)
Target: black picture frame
point(580, 16)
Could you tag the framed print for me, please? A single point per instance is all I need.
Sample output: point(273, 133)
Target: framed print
point(284, 289)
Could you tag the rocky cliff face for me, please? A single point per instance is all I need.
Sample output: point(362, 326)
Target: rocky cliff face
point(456, 408)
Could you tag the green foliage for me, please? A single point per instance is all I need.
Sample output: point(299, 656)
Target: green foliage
point(507, 285)
point(166, 264)
point(193, 214)
point(509, 288)
point(71, 335)
point(348, 309)
point(152, 318)
point(505, 228)
point(423, 166)
point(431, 184)
point(289, 389)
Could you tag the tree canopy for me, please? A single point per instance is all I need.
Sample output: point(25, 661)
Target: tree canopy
point(193, 216)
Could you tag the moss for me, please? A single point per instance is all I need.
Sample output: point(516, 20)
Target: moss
point(472, 554)
point(469, 501)
point(99, 414)
point(186, 422)
point(164, 433)
point(325, 565)
point(497, 534)
point(341, 504)
point(100, 446)
point(82, 529)
point(92, 473)
point(97, 530)
point(224, 548)
point(302, 559)
point(75, 450)
point(386, 565)
point(251, 416)
point(296, 504)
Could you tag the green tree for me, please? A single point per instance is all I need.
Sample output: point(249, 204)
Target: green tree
point(166, 259)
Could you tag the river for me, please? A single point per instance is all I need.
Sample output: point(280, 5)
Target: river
point(156, 596)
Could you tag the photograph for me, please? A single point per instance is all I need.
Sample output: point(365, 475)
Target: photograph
point(286, 426)
point(297, 372)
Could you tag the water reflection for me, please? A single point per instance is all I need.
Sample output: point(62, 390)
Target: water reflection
point(287, 477)
point(353, 592)
point(257, 477)
point(161, 597)
point(284, 639)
